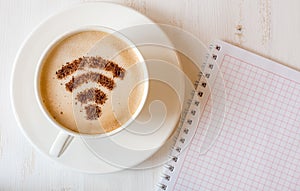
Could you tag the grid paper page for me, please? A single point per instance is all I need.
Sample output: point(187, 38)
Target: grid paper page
point(259, 145)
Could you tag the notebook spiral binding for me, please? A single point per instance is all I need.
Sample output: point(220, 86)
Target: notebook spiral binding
point(186, 121)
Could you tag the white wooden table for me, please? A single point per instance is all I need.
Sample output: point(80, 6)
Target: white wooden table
point(268, 27)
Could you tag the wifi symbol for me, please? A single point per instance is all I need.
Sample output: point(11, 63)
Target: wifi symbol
point(94, 97)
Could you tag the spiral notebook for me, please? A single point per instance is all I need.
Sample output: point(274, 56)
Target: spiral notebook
point(242, 128)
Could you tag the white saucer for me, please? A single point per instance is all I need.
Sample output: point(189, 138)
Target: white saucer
point(132, 145)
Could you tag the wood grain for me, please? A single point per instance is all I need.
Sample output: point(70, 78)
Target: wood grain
point(268, 27)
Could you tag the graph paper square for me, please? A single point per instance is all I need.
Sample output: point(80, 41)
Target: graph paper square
point(259, 145)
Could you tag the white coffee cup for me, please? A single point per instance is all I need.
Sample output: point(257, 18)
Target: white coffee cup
point(65, 135)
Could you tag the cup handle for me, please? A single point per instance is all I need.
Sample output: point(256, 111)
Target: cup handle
point(60, 144)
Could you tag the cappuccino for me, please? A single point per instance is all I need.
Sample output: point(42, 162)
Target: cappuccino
point(92, 82)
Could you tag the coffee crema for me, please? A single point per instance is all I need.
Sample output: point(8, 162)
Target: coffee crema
point(95, 77)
